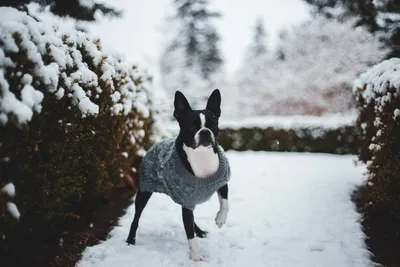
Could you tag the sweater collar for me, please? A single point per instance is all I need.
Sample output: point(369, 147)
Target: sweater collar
point(192, 179)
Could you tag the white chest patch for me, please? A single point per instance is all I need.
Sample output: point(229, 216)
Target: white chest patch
point(203, 160)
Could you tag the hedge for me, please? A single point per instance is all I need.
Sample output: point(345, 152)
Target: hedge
point(377, 94)
point(73, 120)
point(343, 140)
point(328, 134)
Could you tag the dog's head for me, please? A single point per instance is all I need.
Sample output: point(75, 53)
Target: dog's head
point(198, 127)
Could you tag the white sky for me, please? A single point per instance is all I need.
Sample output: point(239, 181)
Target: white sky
point(139, 35)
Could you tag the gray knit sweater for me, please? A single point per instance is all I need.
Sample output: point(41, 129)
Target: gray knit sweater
point(162, 171)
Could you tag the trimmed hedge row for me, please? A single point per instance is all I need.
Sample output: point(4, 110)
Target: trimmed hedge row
point(73, 120)
point(378, 100)
point(343, 140)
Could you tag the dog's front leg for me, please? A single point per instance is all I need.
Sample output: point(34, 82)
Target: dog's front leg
point(188, 223)
point(222, 214)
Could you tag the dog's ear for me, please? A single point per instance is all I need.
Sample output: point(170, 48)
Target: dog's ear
point(181, 105)
point(214, 103)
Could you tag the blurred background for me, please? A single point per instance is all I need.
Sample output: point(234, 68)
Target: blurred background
point(268, 57)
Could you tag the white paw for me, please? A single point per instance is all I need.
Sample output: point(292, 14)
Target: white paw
point(194, 251)
point(196, 255)
point(221, 217)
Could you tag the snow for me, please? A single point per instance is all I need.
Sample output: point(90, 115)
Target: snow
point(379, 80)
point(65, 57)
point(379, 86)
point(12, 208)
point(9, 189)
point(396, 113)
point(288, 209)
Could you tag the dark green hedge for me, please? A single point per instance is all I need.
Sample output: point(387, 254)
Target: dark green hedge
point(343, 140)
point(61, 162)
point(379, 123)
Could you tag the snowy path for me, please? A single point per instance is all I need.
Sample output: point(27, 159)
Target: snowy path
point(286, 210)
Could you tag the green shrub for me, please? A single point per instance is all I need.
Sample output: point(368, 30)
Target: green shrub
point(73, 119)
point(343, 140)
point(378, 100)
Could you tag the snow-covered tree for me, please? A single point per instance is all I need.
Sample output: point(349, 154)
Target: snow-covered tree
point(323, 56)
point(258, 46)
point(192, 61)
point(250, 77)
point(81, 10)
point(381, 17)
point(321, 59)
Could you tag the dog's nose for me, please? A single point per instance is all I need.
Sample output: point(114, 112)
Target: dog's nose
point(206, 134)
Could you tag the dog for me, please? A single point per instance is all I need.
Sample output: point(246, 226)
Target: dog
point(189, 168)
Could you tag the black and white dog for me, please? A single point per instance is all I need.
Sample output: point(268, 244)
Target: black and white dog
point(197, 147)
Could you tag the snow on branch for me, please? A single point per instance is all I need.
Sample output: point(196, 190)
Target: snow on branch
point(9, 189)
point(377, 93)
point(38, 59)
point(381, 82)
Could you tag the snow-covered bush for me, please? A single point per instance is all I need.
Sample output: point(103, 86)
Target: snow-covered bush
point(377, 94)
point(313, 74)
point(73, 118)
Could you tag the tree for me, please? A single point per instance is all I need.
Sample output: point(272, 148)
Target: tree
point(251, 75)
point(258, 46)
point(211, 60)
point(192, 60)
point(200, 37)
point(381, 17)
point(321, 59)
point(83, 10)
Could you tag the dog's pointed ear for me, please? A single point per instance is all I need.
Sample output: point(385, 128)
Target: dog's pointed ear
point(181, 105)
point(214, 103)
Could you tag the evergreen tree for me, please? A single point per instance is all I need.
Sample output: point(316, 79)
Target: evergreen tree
point(200, 37)
point(192, 60)
point(258, 46)
point(250, 77)
point(81, 10)
point(211, 60)
point(279, 53)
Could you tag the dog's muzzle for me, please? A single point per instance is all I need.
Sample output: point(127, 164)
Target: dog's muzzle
point(206, 137)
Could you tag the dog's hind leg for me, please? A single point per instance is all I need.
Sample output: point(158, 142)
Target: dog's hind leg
point(200, 233)
point(140, 203)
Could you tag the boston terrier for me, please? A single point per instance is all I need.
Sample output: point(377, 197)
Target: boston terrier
point(189, 168)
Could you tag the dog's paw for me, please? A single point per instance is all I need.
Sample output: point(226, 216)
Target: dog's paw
point(131, 241)
point(201, 234)
point(195, 255)
point(221, 217)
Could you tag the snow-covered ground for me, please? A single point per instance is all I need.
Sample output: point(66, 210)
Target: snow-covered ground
point(286, 210)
